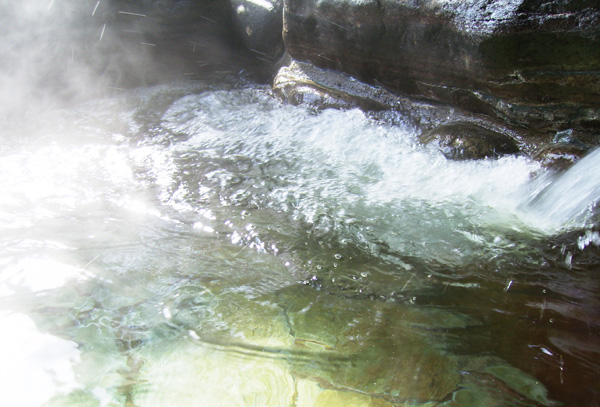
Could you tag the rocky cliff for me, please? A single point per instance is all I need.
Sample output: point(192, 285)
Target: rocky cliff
point(526, 70)
point(532, 65)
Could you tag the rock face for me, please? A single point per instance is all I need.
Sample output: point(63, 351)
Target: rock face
point(259, 23)
point(64, 50)
point(458, 134)
point(152, 41)
point(528, 66)
point(530, 63)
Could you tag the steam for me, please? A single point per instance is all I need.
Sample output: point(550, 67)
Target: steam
point(42, 48)
point(62, 51)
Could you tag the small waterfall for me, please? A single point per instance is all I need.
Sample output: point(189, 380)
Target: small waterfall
point(569, 197)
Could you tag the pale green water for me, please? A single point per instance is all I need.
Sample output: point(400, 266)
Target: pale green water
point(208, 246)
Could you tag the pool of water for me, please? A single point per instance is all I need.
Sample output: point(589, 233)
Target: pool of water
point(202, 244)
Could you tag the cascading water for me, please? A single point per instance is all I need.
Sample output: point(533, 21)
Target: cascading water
point(206, 245)
point(569, 197)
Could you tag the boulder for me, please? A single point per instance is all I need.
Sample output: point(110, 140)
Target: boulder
point(565, 149)
point(531, 63)
point(464, 140)
point(303, 84)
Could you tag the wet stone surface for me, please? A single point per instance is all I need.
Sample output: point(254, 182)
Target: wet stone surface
point(464, 141)
point(457, 133)
point(520, 61)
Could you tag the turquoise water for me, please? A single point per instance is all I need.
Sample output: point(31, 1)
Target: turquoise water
point(205, 245)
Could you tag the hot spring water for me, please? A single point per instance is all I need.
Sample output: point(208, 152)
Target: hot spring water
point(208, 246)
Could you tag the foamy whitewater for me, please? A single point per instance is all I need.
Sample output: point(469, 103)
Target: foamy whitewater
point(153, 237)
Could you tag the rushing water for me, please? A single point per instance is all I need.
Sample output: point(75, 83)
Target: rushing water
point(206, 245)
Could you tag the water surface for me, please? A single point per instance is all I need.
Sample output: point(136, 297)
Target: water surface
point(205, 245)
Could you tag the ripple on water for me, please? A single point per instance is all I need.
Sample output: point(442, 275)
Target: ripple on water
point(212, 246)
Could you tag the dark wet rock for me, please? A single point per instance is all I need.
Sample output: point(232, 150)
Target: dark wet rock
point(565, 150)
point(463, 141)
point(531, 63)
point(72, 49)
point(560, 156)
point(162, 39)
point(259, 23)
point(304, 84)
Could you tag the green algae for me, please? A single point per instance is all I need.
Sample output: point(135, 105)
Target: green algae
point(521, 382)
point(384, 355)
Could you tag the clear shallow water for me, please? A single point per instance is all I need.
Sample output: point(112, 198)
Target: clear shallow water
point(206, 245)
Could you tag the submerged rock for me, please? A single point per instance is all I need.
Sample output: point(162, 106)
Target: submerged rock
point(297, 346)
point(463, 140)
point(303, 347)
point(532, 63)
point(372, 346)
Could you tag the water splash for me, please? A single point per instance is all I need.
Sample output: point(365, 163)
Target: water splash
point(183, 233)
point(567, 200)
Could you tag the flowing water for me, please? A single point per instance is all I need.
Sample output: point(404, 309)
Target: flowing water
point(205, 245)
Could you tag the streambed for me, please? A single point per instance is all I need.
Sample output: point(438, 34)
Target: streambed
point(205, 245)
